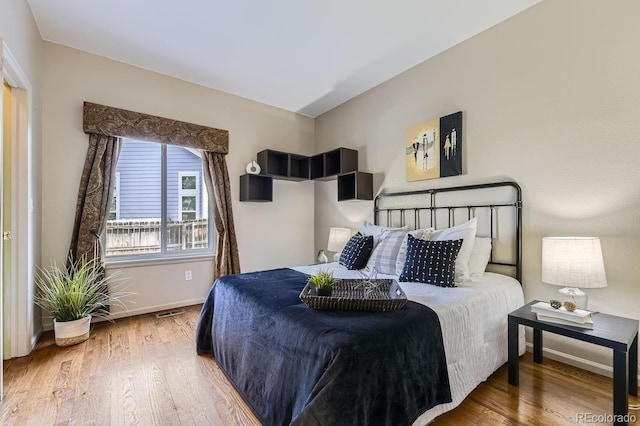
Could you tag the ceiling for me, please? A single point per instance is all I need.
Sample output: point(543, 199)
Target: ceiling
point(306, 56)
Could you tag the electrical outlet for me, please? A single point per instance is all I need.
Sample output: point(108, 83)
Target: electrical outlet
point(187, 275)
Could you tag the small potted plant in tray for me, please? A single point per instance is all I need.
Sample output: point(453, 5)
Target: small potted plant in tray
point(323, 281)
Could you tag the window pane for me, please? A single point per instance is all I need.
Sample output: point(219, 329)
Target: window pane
point(188, 182)
point(187, 207)
point(140, 197)
point(189, 204)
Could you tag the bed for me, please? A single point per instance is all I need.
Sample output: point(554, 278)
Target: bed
point(294, 365)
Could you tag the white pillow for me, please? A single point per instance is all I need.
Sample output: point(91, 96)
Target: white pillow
point(402, 253)
point(384, 255)
point(369, 228)
point(479, 258)
point(466, 231)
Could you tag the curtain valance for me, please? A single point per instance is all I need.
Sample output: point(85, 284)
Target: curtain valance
point(110, 121)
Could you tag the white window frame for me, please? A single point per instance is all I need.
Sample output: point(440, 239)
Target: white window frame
point(116, 195)
point(189, 193)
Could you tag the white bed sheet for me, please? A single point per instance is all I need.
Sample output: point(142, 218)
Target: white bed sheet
point(473, 318)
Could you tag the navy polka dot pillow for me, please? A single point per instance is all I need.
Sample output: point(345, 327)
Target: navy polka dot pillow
point(431, 262)
point(357, 251)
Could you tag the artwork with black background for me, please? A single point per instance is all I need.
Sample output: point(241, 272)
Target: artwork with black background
point(451, 145)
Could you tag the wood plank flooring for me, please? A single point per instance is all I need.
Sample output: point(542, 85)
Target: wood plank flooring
point(144, 371)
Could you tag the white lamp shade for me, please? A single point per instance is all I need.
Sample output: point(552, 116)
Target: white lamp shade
point(573, 262)
point(338, 237)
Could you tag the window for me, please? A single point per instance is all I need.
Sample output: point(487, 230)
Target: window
point(158, 207)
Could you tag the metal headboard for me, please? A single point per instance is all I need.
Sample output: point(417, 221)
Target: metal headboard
point(497, 205)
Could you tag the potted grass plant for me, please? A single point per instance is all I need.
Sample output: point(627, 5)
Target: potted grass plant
point(74, 295)
point(323, 281)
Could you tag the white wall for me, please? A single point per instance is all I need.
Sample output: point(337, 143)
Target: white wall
point(551, 99)
point(20, 34)
point(269, 234)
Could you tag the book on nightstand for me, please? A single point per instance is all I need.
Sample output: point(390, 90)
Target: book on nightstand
point(555, 320)
point(545, 309)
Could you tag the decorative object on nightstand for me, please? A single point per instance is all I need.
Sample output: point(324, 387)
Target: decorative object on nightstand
point(338, 237)
point(321, 258)
point(555, 313)
point(575, 263)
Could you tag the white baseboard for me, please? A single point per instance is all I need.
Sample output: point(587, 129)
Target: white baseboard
point(35, 338)
point(156, 308)
point(585, 364)
point(141, 311)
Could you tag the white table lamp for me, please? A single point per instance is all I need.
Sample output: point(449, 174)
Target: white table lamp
point(338, 238)
point(575, 263)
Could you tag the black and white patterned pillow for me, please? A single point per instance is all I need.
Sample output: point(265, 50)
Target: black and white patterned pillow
point(357, 251)
point(431, 262)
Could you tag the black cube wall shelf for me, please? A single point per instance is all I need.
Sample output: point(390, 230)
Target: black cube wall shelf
point(330, 164)
point(256, 188)
point(298, 167)
point(355, 186)
point(283, 165)
point(340, 163)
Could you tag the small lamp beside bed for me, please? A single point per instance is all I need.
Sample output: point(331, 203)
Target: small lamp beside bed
point(338, 238)
point(574, 263)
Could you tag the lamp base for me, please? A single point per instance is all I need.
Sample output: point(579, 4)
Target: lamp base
point(575, 295)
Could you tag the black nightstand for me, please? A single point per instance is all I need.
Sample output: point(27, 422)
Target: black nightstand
point(617, 333)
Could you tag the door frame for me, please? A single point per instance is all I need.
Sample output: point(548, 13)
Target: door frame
point(23, 333)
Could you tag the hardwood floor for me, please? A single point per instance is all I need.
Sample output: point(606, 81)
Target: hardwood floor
point(144, 371)
point(551, 393)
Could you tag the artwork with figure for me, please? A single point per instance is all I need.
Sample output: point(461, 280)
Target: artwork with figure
point(434, 148)
point(423, 151)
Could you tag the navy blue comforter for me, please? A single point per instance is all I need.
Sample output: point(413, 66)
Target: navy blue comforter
point(295, 365)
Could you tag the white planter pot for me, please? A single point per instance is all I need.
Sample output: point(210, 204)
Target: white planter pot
point(71, 332)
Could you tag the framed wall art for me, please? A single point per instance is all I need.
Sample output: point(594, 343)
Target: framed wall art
point(434, 148)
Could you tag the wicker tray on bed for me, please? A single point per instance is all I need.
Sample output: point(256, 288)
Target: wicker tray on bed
point(354, 295)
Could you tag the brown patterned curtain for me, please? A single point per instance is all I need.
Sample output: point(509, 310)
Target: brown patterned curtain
point(94, 196)
point(118, 123)
point(216, 177)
